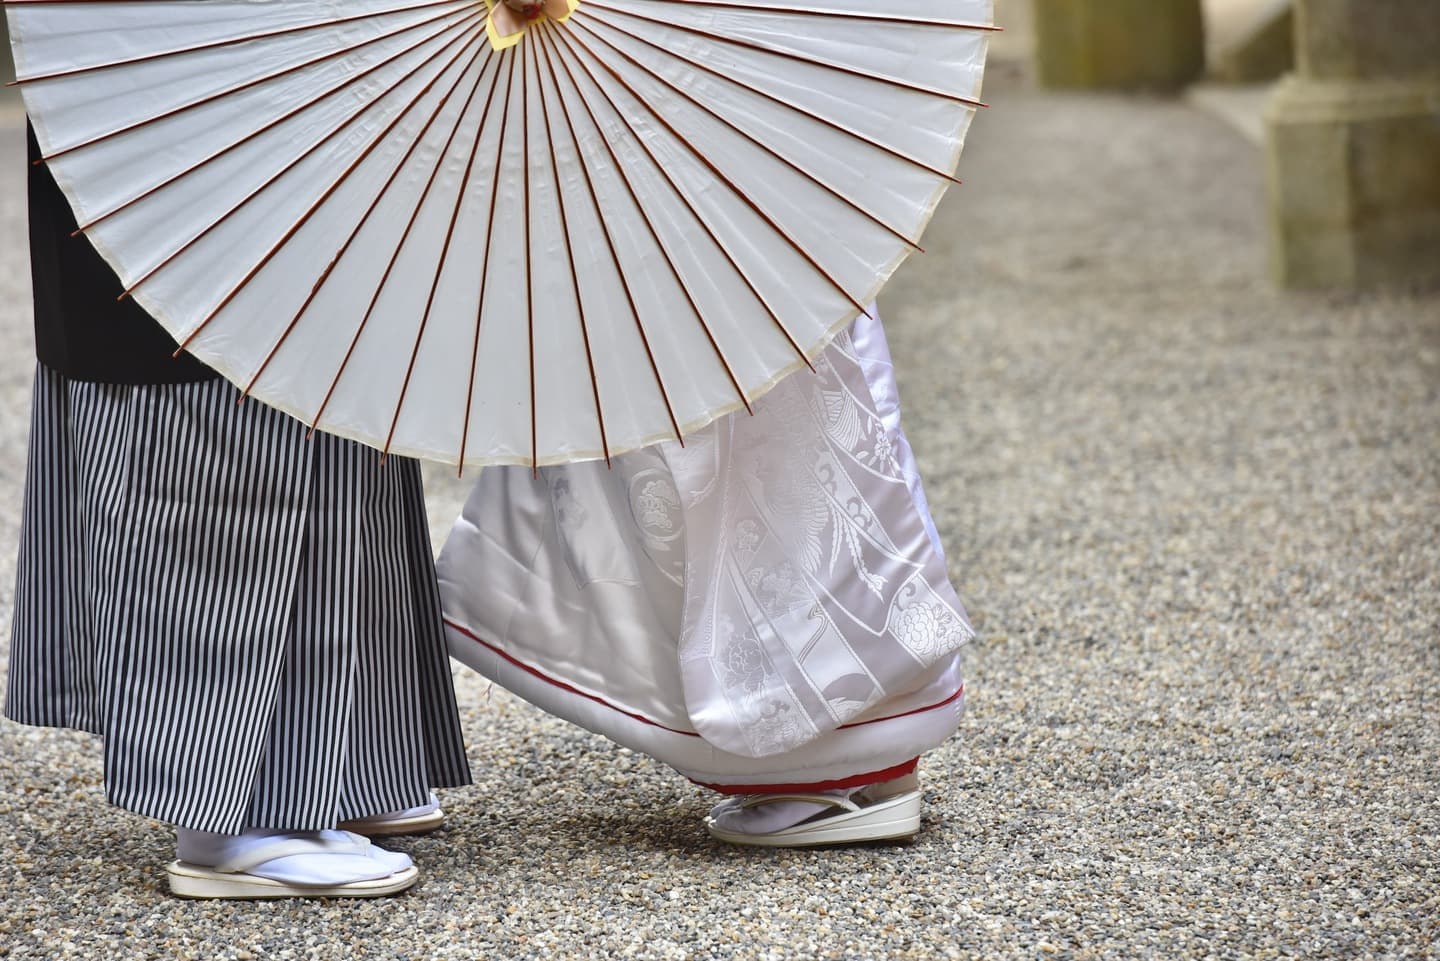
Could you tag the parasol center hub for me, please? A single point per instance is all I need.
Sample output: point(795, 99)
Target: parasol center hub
point(509, 19)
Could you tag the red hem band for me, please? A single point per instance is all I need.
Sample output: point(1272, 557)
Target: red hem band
point(568, 688)
point(571, 689)
point(919, 710)
point(838, 784)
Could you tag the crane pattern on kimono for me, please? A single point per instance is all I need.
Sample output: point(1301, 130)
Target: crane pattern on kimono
point(797, 508)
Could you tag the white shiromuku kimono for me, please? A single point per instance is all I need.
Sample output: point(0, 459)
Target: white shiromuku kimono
point(764, 609)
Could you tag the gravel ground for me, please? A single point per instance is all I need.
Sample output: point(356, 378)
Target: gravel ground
point(1197, 521)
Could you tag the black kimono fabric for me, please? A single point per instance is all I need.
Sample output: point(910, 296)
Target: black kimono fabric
point(81, 330)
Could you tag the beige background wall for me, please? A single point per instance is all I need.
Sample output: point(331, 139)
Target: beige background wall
point(1225, 20)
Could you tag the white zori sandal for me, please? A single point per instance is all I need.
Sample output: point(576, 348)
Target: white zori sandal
point(878, 812)
point(417, 820)
point(263, 864)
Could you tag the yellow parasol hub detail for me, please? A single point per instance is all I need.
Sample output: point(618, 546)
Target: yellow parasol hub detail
point(505, 27)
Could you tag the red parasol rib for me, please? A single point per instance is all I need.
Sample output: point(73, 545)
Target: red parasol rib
point(485, 262)
point(835, 14)
point(654, 233)
point(529, 259)
point(570, 261)
point(315, 289)
point(765, 94)
point(405, 234)
point(730, 124)
point(614, 252)
point(591, 5)
point(214, 97)
point(214, 44)
point(718, 174)
point(301, 108)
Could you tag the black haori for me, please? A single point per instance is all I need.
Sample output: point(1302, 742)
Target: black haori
point(250, 620)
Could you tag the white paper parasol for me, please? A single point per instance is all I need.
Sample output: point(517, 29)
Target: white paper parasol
point(633, 217)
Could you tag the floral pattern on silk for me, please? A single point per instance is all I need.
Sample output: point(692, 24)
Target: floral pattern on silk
point(817, 592)
point(776, 587)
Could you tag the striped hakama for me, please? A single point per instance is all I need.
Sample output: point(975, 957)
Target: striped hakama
point(249, 619)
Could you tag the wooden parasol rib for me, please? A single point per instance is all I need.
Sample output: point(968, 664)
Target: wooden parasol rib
point(570, 256)
point(719, 174)
point(319, 284)
point(650, 226)
point(213, 44)
point(440, 159)
point(485, 263)
point(610, 243)
point(230, 91)
point(731, 125)
point(529, 260)
point(459, 26)
point(592, 5)
point(773, 98)
point(409, 225)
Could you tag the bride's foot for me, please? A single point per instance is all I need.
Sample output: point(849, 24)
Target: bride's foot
point(277, 864)
point(889, 810)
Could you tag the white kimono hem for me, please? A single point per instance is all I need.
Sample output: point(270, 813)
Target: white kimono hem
point(765, 606)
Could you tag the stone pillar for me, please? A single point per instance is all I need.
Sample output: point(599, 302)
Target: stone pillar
point(1118, 44)
point(1353, 146)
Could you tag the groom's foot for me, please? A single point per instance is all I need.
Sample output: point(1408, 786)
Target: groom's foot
point(277, 864)
point(417, 820)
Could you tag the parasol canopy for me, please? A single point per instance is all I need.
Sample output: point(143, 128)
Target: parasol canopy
point(477, 235)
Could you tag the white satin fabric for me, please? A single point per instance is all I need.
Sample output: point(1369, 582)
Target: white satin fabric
point(767, 605)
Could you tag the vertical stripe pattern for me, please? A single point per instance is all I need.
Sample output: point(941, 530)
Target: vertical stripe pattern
point(249, 619)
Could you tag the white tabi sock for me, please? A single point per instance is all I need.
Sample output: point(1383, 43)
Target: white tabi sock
point(729, 815)
point(338, 857)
